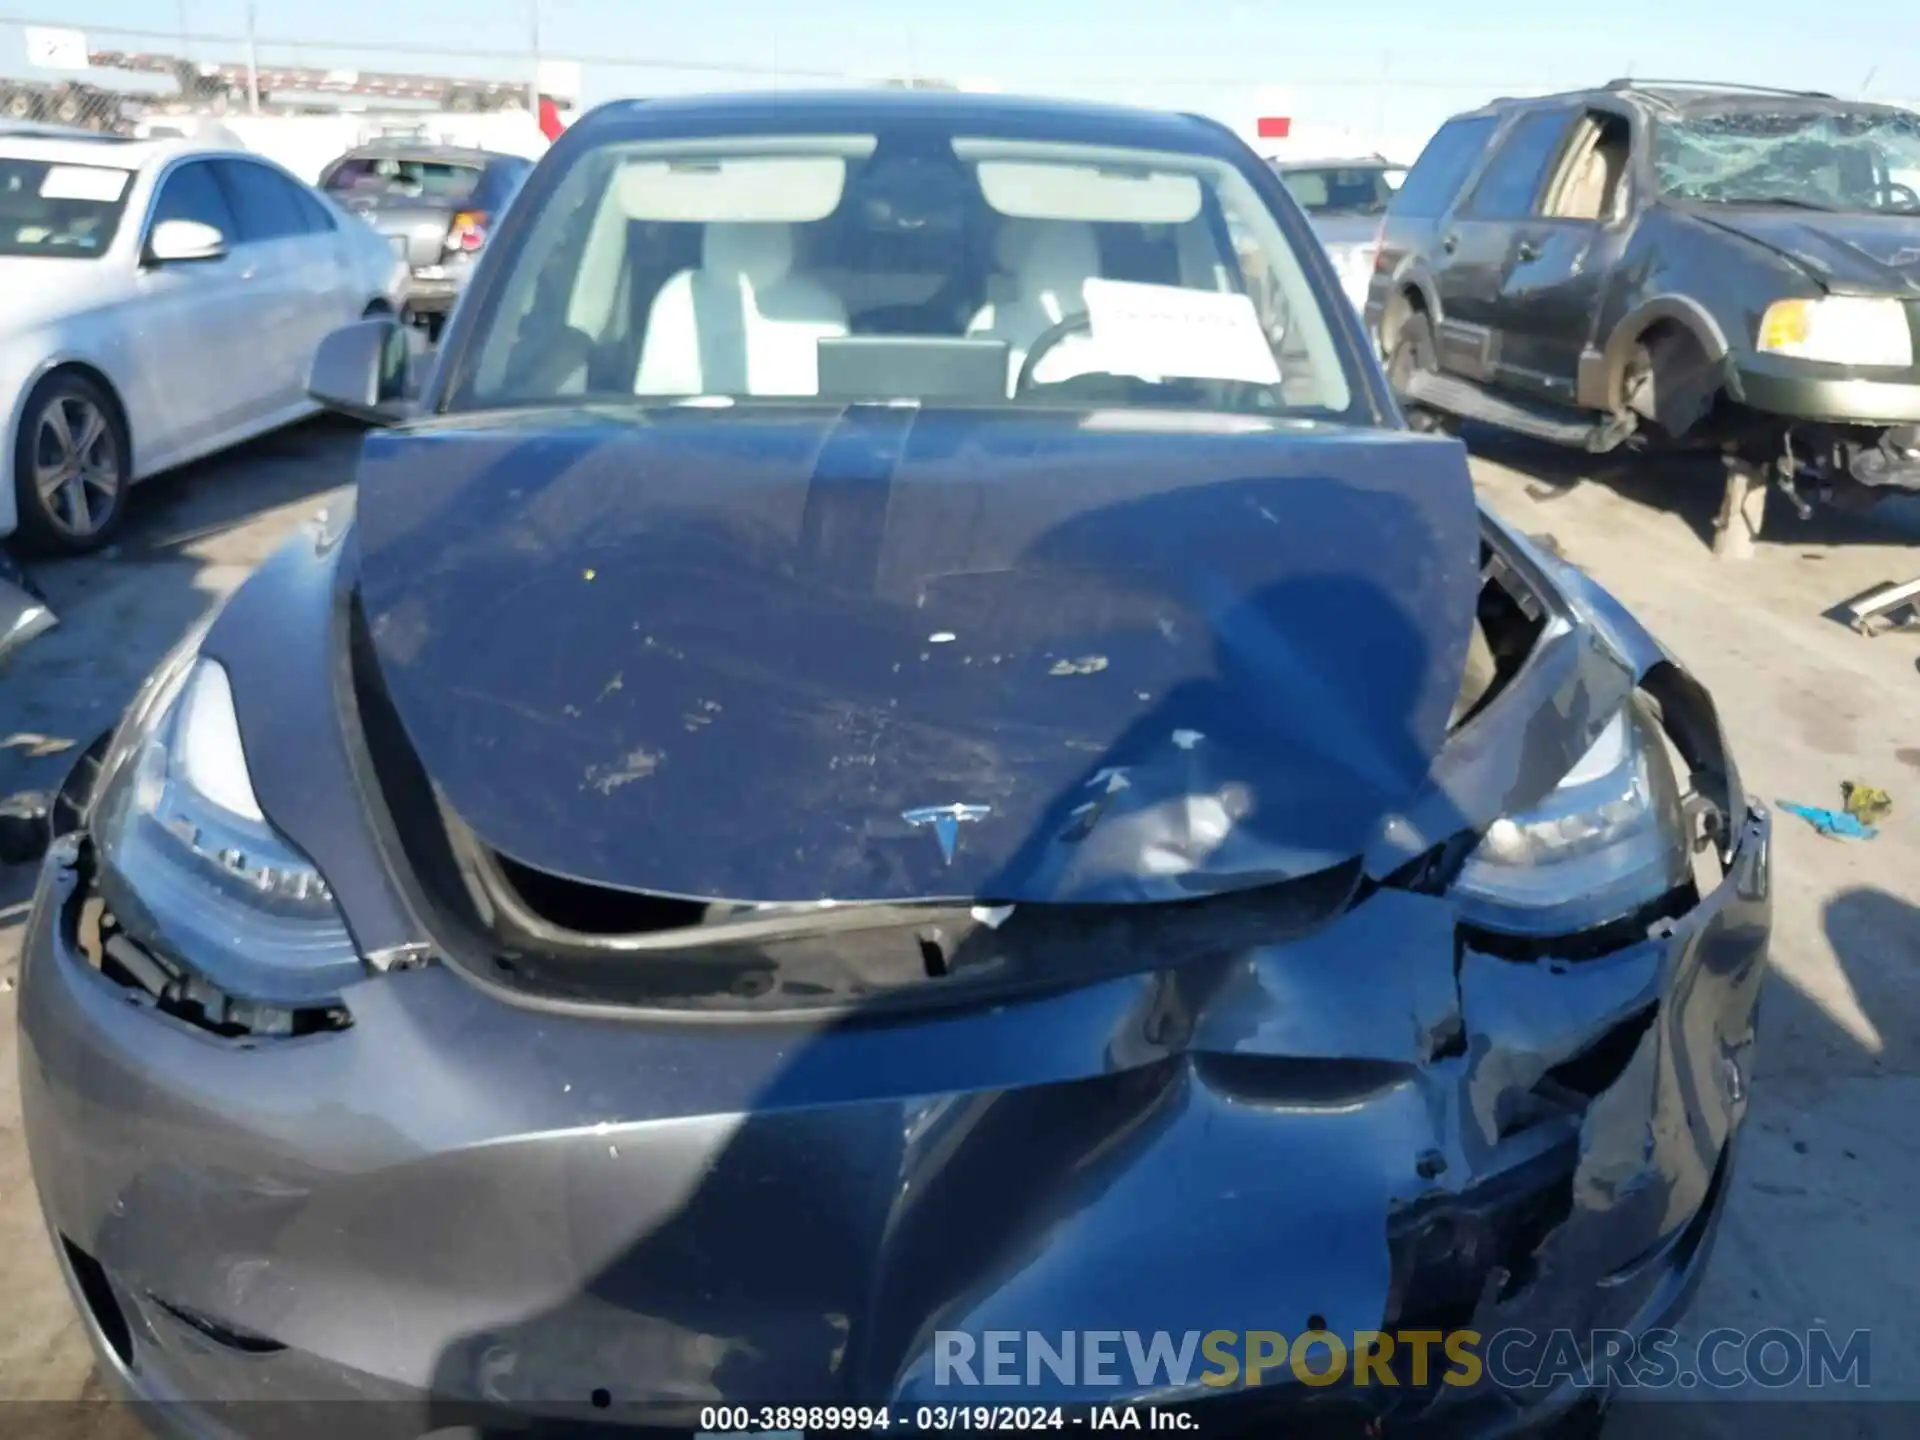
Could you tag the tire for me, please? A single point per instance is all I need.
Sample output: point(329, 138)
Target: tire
point(1413, 349)
point(72, 466)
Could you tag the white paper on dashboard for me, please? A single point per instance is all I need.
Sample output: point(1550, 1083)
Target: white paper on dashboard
point(1173, 331)
point(82, 182)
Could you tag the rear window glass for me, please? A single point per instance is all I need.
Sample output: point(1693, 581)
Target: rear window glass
point(60, 210)
point(383, 177)
point(1343, 189)
point(1443, 167)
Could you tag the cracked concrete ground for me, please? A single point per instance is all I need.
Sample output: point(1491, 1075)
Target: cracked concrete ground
point(1822, 1226)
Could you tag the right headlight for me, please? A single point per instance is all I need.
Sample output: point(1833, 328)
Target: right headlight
point(1608, 842)
point(191, 868)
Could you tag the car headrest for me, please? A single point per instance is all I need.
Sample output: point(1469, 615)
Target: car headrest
point(1050, 255)
point(762, 253)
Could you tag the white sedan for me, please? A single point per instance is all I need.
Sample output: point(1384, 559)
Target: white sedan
point(159, 300)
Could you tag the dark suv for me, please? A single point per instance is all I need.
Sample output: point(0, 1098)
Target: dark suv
point(436, 203)
point(1668, 265)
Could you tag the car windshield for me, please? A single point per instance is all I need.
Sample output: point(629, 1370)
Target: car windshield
point(392, 177)
point(961, 269)
point(68, 211)
point(1343, 189)
point(1840, 158)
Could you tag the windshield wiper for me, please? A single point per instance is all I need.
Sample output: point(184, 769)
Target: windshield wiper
point(1791, 201)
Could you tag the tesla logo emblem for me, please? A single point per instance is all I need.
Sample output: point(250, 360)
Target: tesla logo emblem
point(946, 821)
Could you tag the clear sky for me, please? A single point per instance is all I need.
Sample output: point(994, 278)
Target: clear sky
point(1388, 68)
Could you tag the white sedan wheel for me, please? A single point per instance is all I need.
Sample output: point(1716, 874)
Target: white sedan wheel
point(71, 467)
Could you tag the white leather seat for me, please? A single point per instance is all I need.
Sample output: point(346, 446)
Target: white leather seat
point(1048, 263)
point(742, 324)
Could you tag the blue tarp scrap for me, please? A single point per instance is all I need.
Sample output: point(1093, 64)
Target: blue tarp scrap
point(1837, 823)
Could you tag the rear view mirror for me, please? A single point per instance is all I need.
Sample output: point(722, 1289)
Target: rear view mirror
point(364, 371)
point(175, 242)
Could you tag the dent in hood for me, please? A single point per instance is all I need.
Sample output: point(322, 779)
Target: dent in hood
point(1877, 252)
point(882, 654)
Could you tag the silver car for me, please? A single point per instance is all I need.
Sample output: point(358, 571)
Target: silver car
point(1345, 200)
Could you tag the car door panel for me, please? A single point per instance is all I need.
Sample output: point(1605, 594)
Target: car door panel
point(189, 339)
point(1549, 286)
point(277, 245)
point(1480, 242)
point(1472, 253)
point(1560, 262)
point(331, 295)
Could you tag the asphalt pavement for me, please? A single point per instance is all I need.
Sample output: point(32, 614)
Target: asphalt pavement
point(1823, 1224)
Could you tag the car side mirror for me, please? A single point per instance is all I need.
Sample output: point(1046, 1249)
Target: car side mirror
point(364, 371)
point(176, 242)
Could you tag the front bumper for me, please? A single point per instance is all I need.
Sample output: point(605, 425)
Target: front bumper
point(1831, 394)
point(460, 1201)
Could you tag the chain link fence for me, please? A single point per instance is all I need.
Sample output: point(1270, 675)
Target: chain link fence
point(128, 81)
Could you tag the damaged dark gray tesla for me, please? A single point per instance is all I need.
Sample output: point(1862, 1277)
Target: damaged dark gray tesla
point(900, 742)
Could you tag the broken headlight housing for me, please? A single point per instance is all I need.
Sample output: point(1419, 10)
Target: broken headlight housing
point(189, 865)
point(1608, 842)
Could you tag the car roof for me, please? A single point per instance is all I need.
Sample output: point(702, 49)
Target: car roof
point(427, 150)
point(793, 111)
point(87, 148)
point(1679, 96)
point(1355, 162)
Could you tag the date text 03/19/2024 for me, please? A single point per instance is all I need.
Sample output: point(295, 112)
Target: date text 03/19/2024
point(792, 1422)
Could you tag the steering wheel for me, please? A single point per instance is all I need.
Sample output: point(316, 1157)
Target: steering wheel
point(1889, 193)
point(1047, 341)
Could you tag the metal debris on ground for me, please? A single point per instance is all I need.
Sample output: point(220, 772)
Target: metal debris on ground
point(1892, 606)
point(1865, 803)
point(24, 612)
point(1836, 823)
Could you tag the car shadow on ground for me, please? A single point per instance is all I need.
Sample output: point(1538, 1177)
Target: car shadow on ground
point(191, 536)
point(1818, 1156)
point(212, 496)
point(1691, 488)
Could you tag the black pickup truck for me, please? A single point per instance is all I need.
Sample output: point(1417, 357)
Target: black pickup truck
point(1669, 265)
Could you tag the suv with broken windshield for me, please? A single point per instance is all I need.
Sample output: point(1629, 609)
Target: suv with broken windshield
point(1669, 265)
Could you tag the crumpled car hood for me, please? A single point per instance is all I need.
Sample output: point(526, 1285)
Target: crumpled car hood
point(883, 654)
point(1878, 252)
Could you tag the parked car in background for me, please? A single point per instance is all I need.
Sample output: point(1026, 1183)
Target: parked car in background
point(885, 755)
point(436, 204)
point(159, 300)
point(1716, 267)
point(1345, 200)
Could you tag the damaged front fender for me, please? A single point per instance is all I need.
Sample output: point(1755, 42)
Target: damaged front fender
point(1430, 1140)
point(1590, 657)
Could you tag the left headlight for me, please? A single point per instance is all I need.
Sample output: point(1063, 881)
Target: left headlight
point(1607, 843)
point(190, 866)
point(1839, 330)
